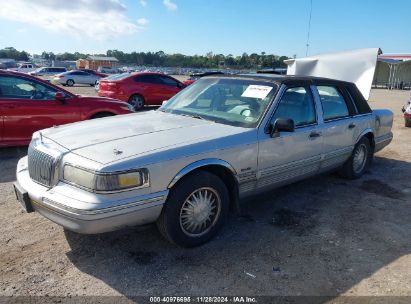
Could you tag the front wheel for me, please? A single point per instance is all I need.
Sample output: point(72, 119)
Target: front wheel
point(195, 210)
point(359, 161)
point(407, 122)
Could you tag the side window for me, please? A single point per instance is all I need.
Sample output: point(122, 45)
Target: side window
point(333, 103)
point(298, 104)
point(148, 79)
point(168, 81)
point(20, 88)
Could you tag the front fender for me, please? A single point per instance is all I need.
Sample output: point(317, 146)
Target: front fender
point(198, 164)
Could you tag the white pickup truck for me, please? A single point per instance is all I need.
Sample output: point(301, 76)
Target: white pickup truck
point(24, 68)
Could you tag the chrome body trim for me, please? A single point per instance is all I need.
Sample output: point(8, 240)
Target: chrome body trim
point(199, 164)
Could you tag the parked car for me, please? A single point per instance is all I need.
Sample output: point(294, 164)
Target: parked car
point(406, 109)
point(48, 71)
point(102, 75)
point(107, 70)
point(194, 77)
point(218, 141)
point(71, 78)
point(140, 89)
point(28, 104)
point(24, 68)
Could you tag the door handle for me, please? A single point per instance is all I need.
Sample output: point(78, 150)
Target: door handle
point(315, 134)
point(351, 126)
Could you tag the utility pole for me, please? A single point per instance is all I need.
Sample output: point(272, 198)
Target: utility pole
point(309, 28)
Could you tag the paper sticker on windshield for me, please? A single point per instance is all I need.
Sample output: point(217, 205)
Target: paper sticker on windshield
point(257, 91)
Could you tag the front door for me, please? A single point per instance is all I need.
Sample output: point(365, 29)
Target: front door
point(291, 155)
point(169, 88)
point(29, 106)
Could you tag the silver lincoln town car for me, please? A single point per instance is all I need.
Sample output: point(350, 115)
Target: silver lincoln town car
point(184, 165)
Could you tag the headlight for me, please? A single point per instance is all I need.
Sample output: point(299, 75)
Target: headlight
point(35, 138)
point(127, 107)
point(106, 182)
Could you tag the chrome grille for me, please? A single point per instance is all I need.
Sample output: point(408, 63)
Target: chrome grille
point(41, 166)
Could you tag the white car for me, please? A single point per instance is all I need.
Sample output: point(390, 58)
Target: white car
point(24, 68)
point(75, 77)
point(48, 71)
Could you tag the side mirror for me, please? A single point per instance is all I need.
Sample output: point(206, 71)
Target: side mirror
point(282, 125)
point(60, 96)
point(180, 85)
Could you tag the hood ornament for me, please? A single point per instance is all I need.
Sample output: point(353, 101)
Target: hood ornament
point(117, 152)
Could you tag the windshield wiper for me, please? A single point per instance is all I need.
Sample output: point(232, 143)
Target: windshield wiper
point(194, 116)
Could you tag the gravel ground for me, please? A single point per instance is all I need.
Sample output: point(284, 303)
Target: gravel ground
point(323, 236)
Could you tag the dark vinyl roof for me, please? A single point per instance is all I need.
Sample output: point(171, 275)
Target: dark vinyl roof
point(282, 78)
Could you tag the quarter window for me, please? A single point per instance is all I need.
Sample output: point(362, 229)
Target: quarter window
point(333, 103)
point(168, 81)
point(297, 104)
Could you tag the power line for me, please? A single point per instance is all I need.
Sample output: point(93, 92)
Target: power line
point(309, 28)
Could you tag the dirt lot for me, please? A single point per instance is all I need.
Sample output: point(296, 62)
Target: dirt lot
point(323, 236)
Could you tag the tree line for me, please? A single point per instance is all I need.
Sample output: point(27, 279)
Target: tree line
point(209, 60)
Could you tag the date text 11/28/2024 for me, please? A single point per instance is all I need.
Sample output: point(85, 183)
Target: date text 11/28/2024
point(234, 299)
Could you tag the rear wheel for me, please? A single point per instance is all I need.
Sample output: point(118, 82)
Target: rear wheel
point(70, 82)
point(359, 161)
point(195, 210)
point(137, 102)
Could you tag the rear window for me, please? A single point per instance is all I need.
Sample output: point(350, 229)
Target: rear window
point(358, 99)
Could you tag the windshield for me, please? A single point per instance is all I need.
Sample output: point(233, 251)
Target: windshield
point(236, 102)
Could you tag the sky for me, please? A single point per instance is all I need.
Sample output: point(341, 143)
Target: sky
point(199, 26)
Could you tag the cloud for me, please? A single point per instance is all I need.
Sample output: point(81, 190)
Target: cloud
point(171, 6)
point(142, 21)
point(95, 19)
point(143, 3)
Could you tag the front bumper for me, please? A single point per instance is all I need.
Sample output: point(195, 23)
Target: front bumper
point(82, 212)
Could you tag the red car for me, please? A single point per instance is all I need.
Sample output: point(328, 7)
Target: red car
point(140, 89)
point(28, 104)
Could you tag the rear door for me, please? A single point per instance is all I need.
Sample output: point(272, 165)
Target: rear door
point(339, 128)
point(28, 106)
point(151, 87)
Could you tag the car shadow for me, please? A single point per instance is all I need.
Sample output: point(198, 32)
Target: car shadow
point(322, 236)
point(8, 162)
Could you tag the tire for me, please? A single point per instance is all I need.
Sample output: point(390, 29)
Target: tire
point(407, 121)
point(359, 160)
point(137, 101)
point(70, 82)
point(176, 221)
point(101, 115)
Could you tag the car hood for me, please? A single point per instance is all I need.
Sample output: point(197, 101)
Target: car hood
point(111, 139)
point(94, 98)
